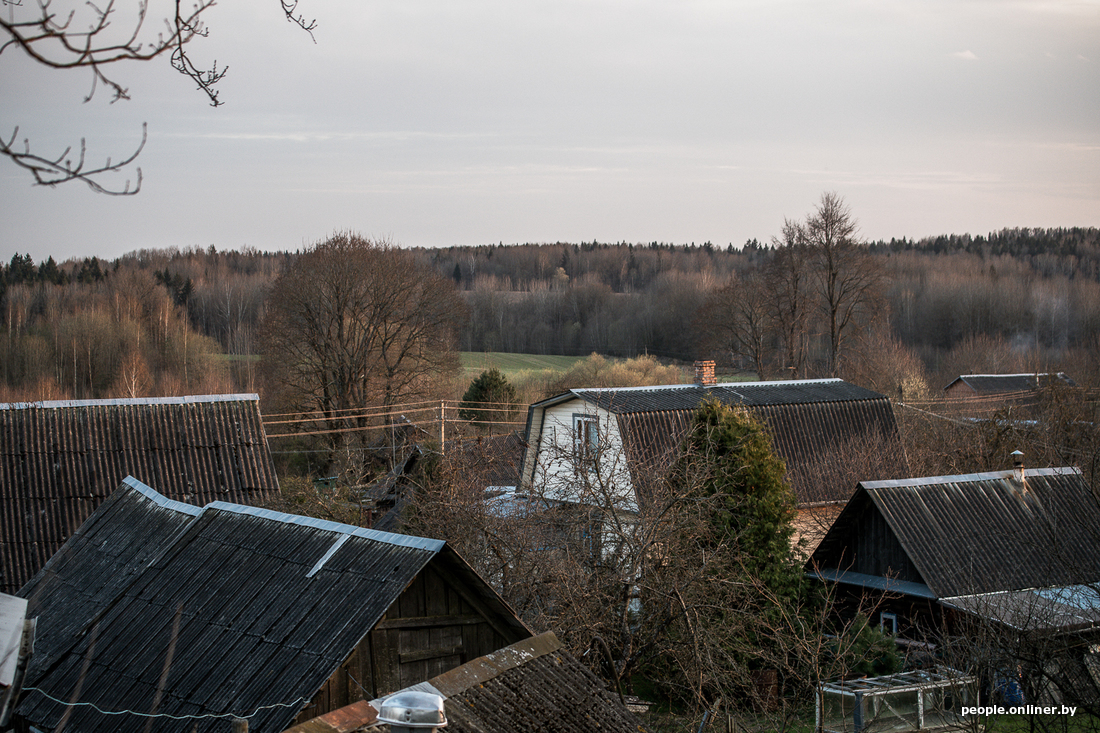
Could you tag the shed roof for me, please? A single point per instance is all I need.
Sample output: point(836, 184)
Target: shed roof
point(59, 460)
point(981, 533)
point(242, 612)
point(806, 419)
point(997, 383)
point(534, 684)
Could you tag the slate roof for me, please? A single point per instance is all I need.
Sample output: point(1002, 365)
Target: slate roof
point(242, 612)
point(59, 460)
point(97, 563)
point(806, 419)
point(532, 685)
point(997, 383)
point(976, 533)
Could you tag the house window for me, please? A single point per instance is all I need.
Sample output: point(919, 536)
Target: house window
point(889, 623)
point(586, 439)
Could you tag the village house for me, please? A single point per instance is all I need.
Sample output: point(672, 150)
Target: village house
point(589, 446)
point(1005, 386)
point(1016, 550)
point(60, 460)
point(196, 616)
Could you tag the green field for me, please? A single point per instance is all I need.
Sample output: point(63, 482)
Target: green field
point(473, 362)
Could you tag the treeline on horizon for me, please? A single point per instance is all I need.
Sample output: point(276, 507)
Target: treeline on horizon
point(160, 321)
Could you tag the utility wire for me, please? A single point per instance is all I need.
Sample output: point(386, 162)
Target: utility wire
point(95, 707)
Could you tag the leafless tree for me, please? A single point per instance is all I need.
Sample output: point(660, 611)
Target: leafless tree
point(788, 277)
point(848, 279)
point(736, 319)
point(639, 582)
point(354, 323)
point(67, 35)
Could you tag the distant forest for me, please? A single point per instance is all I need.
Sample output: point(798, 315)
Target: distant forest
point(175, 321)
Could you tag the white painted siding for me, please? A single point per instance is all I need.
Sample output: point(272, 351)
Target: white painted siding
point(558, 475)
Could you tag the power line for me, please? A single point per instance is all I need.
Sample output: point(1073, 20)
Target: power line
point(95, 707)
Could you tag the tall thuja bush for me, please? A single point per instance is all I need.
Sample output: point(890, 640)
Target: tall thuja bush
point(754, 629)
point(727, 455)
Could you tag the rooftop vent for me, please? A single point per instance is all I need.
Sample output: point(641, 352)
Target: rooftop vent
point(1018, 466)
point(704, 374)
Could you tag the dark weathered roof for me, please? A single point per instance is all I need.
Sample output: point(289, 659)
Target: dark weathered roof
point(746, 394)
point(243, 612)
point(997, 383)
point(60, 460)
point(97, 563)
point(978, 533)
point(807, 420)
point(532, 685)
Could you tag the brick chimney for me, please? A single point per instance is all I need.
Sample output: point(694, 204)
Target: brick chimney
point(704, 374)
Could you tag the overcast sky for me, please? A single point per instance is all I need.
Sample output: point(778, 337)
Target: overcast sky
point(439, 122)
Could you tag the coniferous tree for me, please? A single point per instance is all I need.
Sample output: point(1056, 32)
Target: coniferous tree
point(490, 398)
point(728, 453)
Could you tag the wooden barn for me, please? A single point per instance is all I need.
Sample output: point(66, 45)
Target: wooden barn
point(1019, 547)
point(1004, 386)
point(60, 460)
point(156, 608)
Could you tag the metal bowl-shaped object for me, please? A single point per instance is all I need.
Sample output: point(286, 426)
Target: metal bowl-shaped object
point(413, 710)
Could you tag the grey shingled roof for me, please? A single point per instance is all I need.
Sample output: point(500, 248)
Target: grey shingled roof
point(241, 610)
point(59, 460)
point(977, 533)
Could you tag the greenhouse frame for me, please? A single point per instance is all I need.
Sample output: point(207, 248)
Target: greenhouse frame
point(909, 701)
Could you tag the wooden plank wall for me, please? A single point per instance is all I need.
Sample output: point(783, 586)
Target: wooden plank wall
point(433, 627)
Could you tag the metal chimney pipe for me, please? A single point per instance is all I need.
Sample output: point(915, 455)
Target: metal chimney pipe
point(1018, 465)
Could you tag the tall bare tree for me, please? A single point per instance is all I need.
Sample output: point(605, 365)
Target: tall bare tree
point(848, 279)
point(737, 319)
point(355, 323)
point(788, 276)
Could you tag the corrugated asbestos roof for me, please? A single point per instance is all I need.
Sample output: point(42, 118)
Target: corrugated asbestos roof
point(97, 563)
point(241, 610)
point(532, 685)
point(996, 383)
point(60, 460)
point(982, 533)
point(806, 419)
point(745, 394)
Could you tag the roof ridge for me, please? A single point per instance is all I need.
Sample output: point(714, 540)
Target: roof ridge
point(160, 499)
point(966, 477)
point(127, 401)
point(720, 385)
point(390, 538)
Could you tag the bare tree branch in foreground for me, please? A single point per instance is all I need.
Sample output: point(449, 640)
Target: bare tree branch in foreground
point(87, 37)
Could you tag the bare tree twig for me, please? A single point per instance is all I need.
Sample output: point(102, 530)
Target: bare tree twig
point(62, 169)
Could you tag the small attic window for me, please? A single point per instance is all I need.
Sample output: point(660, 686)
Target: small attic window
point(586, 438)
